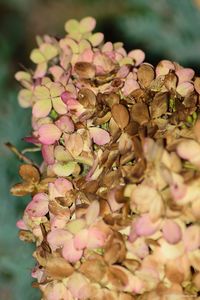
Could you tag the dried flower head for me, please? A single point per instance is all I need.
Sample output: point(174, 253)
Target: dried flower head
point(115, 205)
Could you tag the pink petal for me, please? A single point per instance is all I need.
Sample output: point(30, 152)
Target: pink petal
point(81, 239)
point(21, 225)
point(87, 55)
point(38, 207)
point(63, 186)
point(185, 88)
point(171, 231)
point(49, 134)
point(59, 222)
point(99, 136)
point(145, 227)
point(96, 238)
point(48, 154)
point(130, 86)
point(185, 74)
point(70, 253)
point(191, 238)
point(138, 56)
point(65, 124)
point(56, 238)
point(42, 108)
point(164, 67)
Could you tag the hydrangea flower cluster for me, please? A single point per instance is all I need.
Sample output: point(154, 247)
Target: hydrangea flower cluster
point(115, 209)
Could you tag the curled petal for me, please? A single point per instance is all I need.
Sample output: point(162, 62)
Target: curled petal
point(99, 136)
point(92, 212)
point(138, 56)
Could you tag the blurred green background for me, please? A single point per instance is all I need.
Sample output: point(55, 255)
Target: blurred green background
point(164, 29)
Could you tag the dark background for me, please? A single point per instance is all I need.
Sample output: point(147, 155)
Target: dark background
point(163, 29)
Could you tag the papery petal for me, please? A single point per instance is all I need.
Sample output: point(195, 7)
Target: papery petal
point(70, 253)
point(185, 88)
point(59, 106)
point(191, 238)
point(49, 134)
point(87, 24)
point(38, 207)
point(185, 74)
point(25, 98)
point(92, 212)
point(114, 205)
point(42, 108)
point(65, 124)
point(21, 225)
point(99, 136)
point(170, 251)
point(145, 227)
point(48, 154)
point(138, 56)
point(59, 222)
point(190, 150)
point(74, 143)
point(171, 232)
point(164, 67)
point(78, 286)
point(57, 237)
point(130, 86)
point(63, 186)
point(64, 170)
point(96, 238)
point(81, 239)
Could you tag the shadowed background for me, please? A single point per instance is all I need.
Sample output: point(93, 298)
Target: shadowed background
point(163, 29)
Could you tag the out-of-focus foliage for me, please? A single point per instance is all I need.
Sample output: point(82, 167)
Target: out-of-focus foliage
point(165, 28)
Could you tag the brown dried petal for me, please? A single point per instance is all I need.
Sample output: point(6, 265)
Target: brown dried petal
point(58, 268)
point(121, 115)
point(145, 75)
point(159, 105)
point(110, 99)
point(26, 236)
point(87, 98)
point(22, 189)
point(131, 264)
point(93, 269)
point(140, 113)
point(85, 70)
point(117, 277)
point(197, 84)
point(29, 173)
point(115, 249)
point(170, 81)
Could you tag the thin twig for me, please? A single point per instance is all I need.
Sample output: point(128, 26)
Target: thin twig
point(20, 155)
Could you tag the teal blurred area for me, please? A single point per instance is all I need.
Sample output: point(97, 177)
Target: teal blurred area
point(164, 29)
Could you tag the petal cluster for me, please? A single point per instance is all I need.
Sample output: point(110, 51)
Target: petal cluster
point(115, 204)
